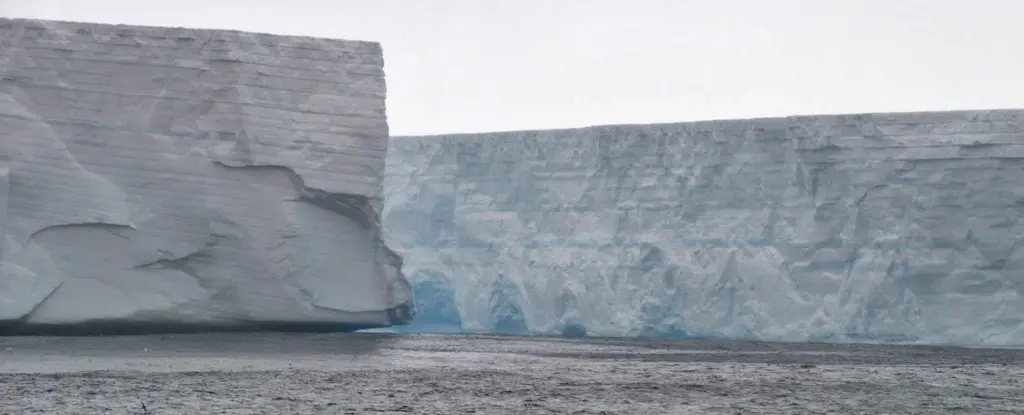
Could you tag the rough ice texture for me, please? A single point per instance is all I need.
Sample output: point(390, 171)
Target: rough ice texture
point(158, 178)
point(875, 227)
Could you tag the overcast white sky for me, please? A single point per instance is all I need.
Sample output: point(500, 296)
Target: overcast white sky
point(487, 65)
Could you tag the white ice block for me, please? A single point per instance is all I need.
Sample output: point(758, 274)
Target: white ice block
point(165, 178)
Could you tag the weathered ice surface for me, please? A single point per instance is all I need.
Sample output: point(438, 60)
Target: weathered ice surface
point(876, 227)
point(156, 179)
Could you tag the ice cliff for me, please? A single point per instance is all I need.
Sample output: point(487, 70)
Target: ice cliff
point(875, 227)
point(156, 178)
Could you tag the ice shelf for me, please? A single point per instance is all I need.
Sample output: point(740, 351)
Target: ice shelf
point(158, 179)
point(899, 227)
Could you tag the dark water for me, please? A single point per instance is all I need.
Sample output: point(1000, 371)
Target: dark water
point(462, 374)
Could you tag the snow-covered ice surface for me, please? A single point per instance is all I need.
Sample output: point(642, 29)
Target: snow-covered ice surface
point(462, 374)
point(162, 178)
point(875, 227)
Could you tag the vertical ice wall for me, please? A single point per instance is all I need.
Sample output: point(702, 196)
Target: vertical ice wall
point(167, 178)
point(872, 227)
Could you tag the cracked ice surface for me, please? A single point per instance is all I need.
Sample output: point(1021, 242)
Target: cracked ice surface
point(156, 177)
point(876, 227)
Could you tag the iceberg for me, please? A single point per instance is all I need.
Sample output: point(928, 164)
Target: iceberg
point(157, 179)
point(900, 227)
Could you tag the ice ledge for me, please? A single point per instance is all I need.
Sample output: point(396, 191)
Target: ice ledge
point(900, 227)
point(397, 316)
point(186, 179)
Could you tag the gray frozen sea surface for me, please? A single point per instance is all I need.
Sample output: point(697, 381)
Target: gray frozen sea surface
point(461, 374)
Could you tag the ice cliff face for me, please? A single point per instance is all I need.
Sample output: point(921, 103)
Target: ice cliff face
point(880, 227)
point(156, 178)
